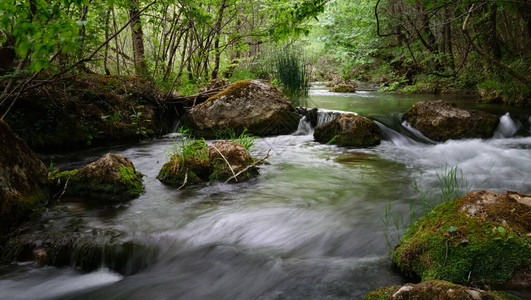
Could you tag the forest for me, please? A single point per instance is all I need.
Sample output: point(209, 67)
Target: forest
point(410, 46)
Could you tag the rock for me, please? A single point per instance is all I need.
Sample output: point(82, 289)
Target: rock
point(442, 120)
point(208, 163)
point(112, 177)
point(348, 130)
point(343, 88)
point(252, 104)
point(23, 181)
point(235, 154)
point(434, 290)
point(481, 238)
point(188, 167)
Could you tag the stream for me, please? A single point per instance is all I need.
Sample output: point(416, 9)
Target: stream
point(308, 227)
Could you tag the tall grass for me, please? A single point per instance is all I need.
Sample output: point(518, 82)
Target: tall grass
point(290, 72)
point(453, 184)
point(244, 139)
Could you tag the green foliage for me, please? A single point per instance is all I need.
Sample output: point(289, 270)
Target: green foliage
point(291, 72)
point(245, 139)
point(138, 122)
point(188, 148)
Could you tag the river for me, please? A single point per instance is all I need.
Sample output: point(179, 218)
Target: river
point(310, 226)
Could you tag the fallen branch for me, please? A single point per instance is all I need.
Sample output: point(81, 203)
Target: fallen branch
point(250, 166)
point(228, 164)
point(185, 180)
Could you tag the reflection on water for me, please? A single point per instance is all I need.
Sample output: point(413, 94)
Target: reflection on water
point(309, 227)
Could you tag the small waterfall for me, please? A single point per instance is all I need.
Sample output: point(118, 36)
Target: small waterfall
point(395, 137)
point(324, 115)
point(507, 127)
point(304, 128)
point(417, 133)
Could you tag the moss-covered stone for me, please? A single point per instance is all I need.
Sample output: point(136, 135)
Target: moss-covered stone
point(348, 130)
point(343, 88)
point(111, 177)
point(482, 238)
point(442, 120)
point(208, 164)
point(435, 290)
point(23, 181)
point(248, 104)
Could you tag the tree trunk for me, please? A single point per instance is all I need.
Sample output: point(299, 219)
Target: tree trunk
point(138, 40)
point(217, 32)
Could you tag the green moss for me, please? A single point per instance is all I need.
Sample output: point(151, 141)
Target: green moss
point(194, 169)
point(14, 211)
point(446, 244)
point(385, 293)
point(128, 186)
point(234, 89)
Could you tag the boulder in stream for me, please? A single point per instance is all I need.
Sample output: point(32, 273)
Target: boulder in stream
point(343, 88)
point(252, 104)
point(112, 177)
point(349, 130)
point(207, 163)
point(441, 120)
point(434, 290)
point(483, 238)
point(23, 181)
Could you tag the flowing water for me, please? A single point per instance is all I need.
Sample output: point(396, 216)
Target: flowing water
point(308, 227)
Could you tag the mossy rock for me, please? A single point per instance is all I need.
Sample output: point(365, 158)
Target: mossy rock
point(209, 163)
point(112, 177)
point(482, 238)
point(248, 104)
point(343, 88)
point(435, 290)
point(349, 130)
point(441, 120)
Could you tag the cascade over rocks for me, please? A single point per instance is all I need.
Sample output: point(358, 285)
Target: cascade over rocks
point(434, 290)
point(252, 104)
point(441, 120)
point(23, 181)
point(349, 130)
point(111, 177)
point(482, 238)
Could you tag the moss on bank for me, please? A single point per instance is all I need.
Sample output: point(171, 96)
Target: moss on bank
point(448, 244)
point(88, 110)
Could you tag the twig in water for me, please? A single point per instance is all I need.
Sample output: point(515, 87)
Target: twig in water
point(250, 166)
point(230, 167)
point(185, 180)
point(63, 191)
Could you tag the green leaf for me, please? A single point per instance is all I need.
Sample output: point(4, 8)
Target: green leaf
point(452, 229)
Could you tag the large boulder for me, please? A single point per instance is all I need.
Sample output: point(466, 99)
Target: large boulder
point(208, 163)
point(23, 181)
point(348, 130)
point(441, 120)
point(481, 238)
point(252, 104)
point(112, 177)
point(434, 290)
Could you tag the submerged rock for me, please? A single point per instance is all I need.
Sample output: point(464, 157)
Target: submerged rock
point(348, 130)
point(23, 181)
point(441, 120)
point(482, 238)
point(434, 290)
point(252, 104)
point(207, 163)
point(111, 177)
